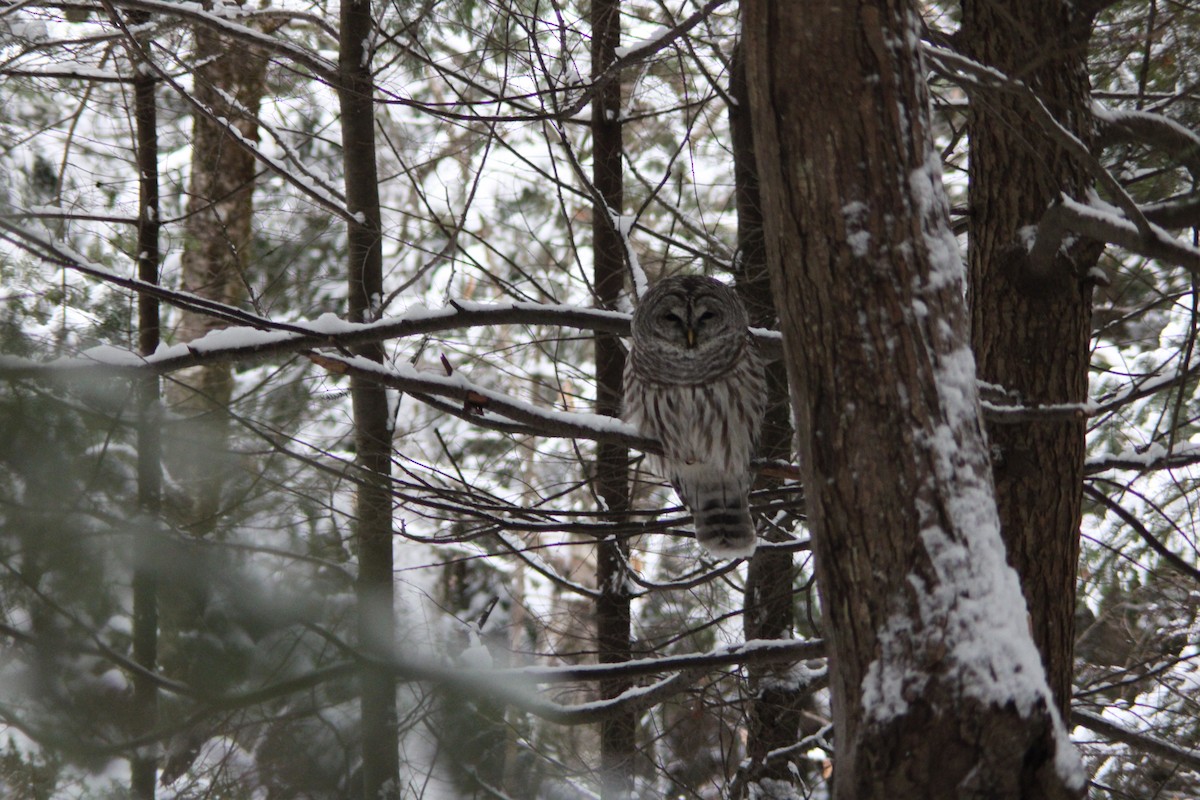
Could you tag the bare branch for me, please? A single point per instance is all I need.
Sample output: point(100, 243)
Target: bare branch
point(1136, 525)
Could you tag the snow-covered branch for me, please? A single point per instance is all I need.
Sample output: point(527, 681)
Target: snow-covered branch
point(973, 75)
point(1153, 458)
point(230, 21)
point(756, 651)
point(1137, 740)
point(483, 402)
point(1119, 126)
point(1096, 221)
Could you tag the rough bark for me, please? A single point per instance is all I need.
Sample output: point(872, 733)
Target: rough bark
point(144, 765)
point(776, 701)
point(617, 734)
point(230, 81)
point(936, 686)
point(373, 434)
point(1031, 331)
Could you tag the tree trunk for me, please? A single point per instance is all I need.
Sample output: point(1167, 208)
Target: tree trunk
point(618, 734)
point(775, 710)
point(937, 690)
point(373, 429)
point(144, 766)
point(230, 81)
point(1031, 332)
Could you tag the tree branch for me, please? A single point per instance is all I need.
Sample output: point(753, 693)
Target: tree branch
point(1119, 126)
point(962, 70)
point(576, 425)
point(1139, 741)
point(1133, 522)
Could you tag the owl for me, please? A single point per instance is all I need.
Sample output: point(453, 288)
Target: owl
point(695, 382)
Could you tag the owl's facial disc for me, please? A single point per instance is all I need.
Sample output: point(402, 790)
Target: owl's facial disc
point(675, 328)
point(701, 322)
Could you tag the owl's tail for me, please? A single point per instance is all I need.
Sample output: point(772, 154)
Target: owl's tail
point(722, 515)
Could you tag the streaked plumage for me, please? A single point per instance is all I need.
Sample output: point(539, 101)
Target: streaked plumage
point(694, 381)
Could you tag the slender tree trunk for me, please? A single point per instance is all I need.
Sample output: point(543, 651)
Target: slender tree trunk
point(775, 711)
point(373, 431)
point(937, 690)
point(618, 734)
point(230, 81)
point(144, 766)
point(1031, 332)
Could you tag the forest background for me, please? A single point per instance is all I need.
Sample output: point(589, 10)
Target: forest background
point(312, 322)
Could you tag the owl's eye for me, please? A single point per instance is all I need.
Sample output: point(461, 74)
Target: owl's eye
point(706, 316)
point(671, 316)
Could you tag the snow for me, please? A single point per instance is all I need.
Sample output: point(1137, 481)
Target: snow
point(652, 38)
point(624, 225)
point(492, 401)
point(1109, 216)
point(970, 614)
point(854, 213)
point(242, 340)
point(237, 338)
point(1117, 116)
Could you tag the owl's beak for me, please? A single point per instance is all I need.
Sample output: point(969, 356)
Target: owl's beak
point(691, 337)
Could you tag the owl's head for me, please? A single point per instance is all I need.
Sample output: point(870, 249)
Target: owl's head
point(691, 317)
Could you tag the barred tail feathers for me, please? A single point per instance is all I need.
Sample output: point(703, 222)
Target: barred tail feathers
point(721, 511)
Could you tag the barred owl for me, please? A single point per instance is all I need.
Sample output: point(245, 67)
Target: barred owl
point(695, 382)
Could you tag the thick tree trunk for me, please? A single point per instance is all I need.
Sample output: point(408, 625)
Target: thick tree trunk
point(618, 734)
point(144, 766)
point(229, 81)
point(775, 710)
point(373, 430)
point(1031, 332)
point(215, 257)
point(937, 689)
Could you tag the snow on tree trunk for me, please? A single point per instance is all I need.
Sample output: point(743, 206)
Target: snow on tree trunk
point(937, 688)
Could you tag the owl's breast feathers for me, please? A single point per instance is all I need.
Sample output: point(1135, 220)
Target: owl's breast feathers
point(711, 425)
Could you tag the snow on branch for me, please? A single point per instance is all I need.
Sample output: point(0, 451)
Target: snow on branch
point(1097, 220)
point(755, 651)
point(1127, 225)
point(252, 336)
point(1144, 742)
point(482, 402)
point(223, 18)
point(1149, 459)
point(1120, 126)
point(1047, 412)
point(973, 75)
point(517, 687)
point(257, 337)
